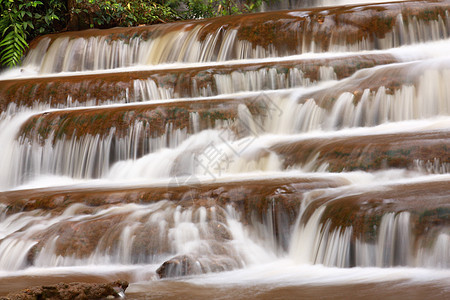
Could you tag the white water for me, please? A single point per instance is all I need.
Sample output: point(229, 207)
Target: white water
point(185, 45)
point(91, 156)
point(138, 238)
point(293, 4)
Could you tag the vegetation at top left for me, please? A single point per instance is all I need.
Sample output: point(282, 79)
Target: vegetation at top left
point(22, 20)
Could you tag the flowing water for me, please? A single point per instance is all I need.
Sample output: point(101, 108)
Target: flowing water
point(298, 153)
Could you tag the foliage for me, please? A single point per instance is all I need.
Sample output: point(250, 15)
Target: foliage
point(196, 9)
point(22, 20)
point(110, 13)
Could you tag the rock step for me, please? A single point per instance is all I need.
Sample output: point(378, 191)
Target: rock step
point(282, 33)
point(393, 92)
point(428, 203)
point(156, 117)
point(405, 224)
point(90, 222)
point(73, 290)
point(370, 97)
point(244, 192)
point(205, 81)
point(426, 150)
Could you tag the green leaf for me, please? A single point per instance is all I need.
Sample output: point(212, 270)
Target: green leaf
point(21, 39)
point(11, 58)
point(36, 3)
point(8, 52)
point(6, 42)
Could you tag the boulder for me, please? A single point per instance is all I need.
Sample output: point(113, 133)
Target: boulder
point(179, 266)
point(76, 290)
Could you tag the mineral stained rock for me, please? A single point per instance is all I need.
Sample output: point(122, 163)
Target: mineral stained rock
point(76, 290)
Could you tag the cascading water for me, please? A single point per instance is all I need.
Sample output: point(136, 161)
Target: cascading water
point(313, 152)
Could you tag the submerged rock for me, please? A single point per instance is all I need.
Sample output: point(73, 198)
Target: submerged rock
point(179, 266)
point(185, 265)
point(76, 290)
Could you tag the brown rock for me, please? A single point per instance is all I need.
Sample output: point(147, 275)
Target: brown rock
point(71, 291)
point(179, 266)
point(370, 152)
point(185, 82)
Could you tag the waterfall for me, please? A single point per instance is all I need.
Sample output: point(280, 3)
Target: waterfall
point(207, 40)
point(277, 151)
point(314, 242)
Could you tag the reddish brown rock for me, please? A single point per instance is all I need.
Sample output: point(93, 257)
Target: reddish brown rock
point(185, 82)
point(244, 193)
point(185, 265)
point(179, 266)
point(371, 152)
point(274, 202)
point(81, 239)
point(71, 291)
point(391, 78)
point(291, 32)
point(427, 202)
point(157, 116)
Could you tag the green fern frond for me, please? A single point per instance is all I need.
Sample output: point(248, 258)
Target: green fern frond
point(13, 47)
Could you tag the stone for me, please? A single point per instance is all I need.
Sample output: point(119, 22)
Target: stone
point(179, 266)
point(76, 290)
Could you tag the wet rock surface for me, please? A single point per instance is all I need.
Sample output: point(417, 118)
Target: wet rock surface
point(298, 31)
point(129, 220)
point(179, 266)
point(245, 193)
point(260, 203)
point(427, 203)
point(389, 79)
point(178, 83)
point(119, 120)
point(371, 152)
point(186, 265)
